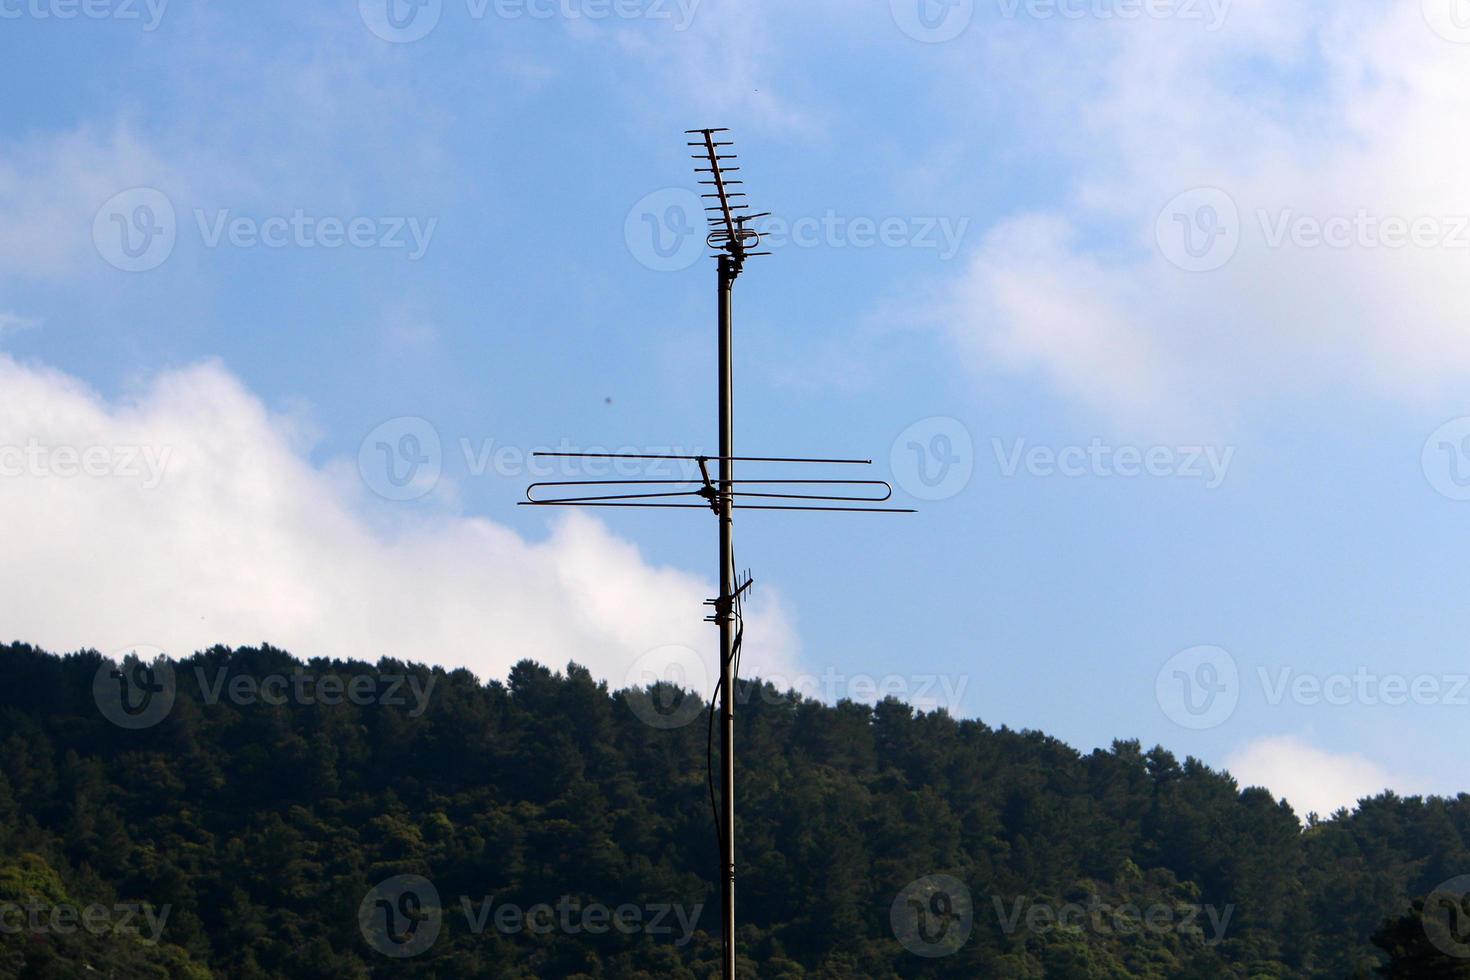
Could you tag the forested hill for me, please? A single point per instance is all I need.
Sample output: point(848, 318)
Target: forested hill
point(254, 815)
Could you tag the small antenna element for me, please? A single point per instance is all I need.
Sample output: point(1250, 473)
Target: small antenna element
point(732, 239)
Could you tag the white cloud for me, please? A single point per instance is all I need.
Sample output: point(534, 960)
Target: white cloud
point(14, 322)
point(1309, 110)
point(1311, 779)
point(220, 531)
point(51, 186)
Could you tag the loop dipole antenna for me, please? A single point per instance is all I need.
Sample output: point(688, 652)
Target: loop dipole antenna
point(733, 240)
point(665, 493)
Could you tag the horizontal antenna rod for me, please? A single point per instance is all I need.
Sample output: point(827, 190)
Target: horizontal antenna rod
point(733, 459)
point(623, 490)
point(839, 510)
point(618, 483)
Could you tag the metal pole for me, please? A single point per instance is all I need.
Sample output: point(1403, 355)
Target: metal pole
point(728, 271)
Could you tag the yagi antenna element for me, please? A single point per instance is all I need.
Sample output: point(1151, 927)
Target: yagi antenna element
point(729, 235)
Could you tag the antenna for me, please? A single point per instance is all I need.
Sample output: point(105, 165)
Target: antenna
point(732, 240)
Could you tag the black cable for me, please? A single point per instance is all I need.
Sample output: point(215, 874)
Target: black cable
point(738, 611)
point(709, 741)
point(709, 771)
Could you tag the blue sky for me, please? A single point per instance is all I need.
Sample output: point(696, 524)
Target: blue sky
point(1228, 235)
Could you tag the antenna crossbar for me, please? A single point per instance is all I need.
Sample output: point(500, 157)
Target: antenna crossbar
point(711, 459)
point(733, 506)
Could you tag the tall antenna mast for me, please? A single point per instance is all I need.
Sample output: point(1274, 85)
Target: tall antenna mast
point(731, 240)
